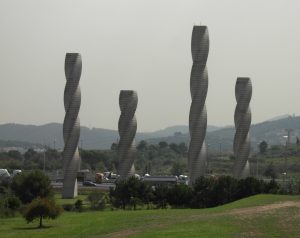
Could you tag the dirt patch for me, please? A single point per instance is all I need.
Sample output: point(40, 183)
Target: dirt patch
point(253, 233)
point(123, 233)
point(263, 209)
point(129, 232)
point(249, 211)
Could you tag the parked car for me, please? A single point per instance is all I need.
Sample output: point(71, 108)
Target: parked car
point(89, 183)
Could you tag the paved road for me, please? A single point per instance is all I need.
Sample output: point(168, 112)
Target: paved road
point(102, 186)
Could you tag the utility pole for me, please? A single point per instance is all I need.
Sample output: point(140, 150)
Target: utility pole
point(257, 167)
point(285, 166)
point(285, 159)
point(289, 131)
point(44, 166)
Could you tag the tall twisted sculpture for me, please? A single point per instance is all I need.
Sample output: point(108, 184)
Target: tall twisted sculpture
point(198, 116)
point(127, 129)
point(71, 127)
point(242, 121)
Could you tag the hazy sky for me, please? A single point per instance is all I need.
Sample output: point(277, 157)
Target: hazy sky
point(145, 46)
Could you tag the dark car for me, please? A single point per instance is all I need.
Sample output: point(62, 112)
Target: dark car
point(89, 183)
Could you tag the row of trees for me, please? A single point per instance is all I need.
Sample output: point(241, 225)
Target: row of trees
point(158, 158)
point(162, 158)
point(279, 150)
point(31, 160)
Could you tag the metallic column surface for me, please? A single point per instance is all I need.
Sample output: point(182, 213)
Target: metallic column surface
point(198, 116)
point(242, 121)
point(127, 129)
point(71, 127)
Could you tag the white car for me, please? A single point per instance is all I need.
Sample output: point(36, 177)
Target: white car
point(4, 174)
point(16, 172)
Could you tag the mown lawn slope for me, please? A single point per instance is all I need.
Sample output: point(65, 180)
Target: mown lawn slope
point(256, 216)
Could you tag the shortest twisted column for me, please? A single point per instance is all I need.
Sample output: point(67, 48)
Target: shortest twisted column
point(127, 129)
point(242, 121)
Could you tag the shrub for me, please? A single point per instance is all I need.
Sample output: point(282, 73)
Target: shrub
point(248, 187)
point(202, 192)
point(271, 187)
point(223, 191)
point(160, 196)
point(9, 204)
point(78, 205)
point(68, 207)
point(13, 202)
point(98, 200)
point(179, 195)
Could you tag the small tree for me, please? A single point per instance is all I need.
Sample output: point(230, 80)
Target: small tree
point(263, 146)
point(142, 145)
point(175, 148)
point(182, 148)
point(178, 168)
point(42, 208)
point(163, 144)
point(114, 146)
point(270, 171)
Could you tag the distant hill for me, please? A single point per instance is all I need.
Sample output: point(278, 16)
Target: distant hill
point(270, 131)
point(279, 117)
point(97, 138)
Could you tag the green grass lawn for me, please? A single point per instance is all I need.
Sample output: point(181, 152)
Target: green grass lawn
point(238, 219)
point(64, 201)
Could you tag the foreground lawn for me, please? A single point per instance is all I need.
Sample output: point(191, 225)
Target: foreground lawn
point(257, 216)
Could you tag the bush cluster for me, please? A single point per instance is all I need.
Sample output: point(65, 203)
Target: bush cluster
point(205, 192)
point(31, 194)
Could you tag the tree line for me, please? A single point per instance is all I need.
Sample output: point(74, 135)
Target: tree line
point(205, 192)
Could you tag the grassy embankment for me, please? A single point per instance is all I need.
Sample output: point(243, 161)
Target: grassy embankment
point(257, 216)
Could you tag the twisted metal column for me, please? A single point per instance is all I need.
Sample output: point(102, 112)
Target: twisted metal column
point(71, 127)
point(242, 121)
point(198, 116)
point(127, 129)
